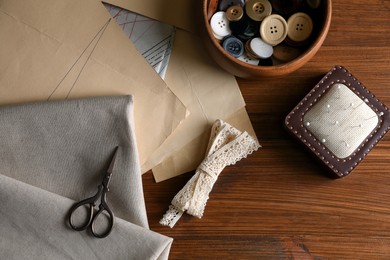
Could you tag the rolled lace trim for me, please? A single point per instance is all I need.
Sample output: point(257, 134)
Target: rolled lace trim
point(171, 216)
point(227, 146)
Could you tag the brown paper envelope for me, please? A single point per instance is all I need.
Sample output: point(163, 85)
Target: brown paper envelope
point(59, 49)
point(174, 160)
point(179, 13)
point(191, 155)
point(208, 92)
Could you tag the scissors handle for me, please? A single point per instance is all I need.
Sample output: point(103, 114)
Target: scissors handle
point(103, 207)
point(90, 203)
point(91, 219)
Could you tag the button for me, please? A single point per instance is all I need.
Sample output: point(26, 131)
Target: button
point(223, 5)
point(260, 48)
point(252, 29)
point(233, 46)
point(245, 58)
point(257, 10)
point(234, 13)
point(285, 53)
point(249, 52)
point(239, 27)
point(273, 29)
point(299, 27)
point(220, 24)
point(219, 38)
point(284, 7)
point(314, 4)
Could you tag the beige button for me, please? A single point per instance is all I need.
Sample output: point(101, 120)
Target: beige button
point(234, 13)
point(258, 9)
point(249, 52)
point(285, 53)
point(273, 29)
point(299, 27)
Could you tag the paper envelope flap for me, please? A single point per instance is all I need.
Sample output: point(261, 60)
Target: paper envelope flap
point(55, 50)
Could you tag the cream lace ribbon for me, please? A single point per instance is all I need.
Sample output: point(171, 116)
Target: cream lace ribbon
point(227, 145)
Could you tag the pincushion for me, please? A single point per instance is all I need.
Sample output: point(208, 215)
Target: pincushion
point(339, 121)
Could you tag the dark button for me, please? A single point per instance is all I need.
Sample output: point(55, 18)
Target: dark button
point(266, 62)
point(314, 4)
point(286, 53)
point(233, 46)
point(251, 30)
point(286, 7)
point(223, 5)
point(239, 27)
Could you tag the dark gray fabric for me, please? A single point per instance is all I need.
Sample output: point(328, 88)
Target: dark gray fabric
point(55, 153)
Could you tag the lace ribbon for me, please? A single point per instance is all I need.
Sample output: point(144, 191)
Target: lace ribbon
point(227, 145)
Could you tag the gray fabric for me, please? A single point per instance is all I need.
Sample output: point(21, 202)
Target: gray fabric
point(55, 153)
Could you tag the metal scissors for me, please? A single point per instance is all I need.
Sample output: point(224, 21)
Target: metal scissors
point(90, 203)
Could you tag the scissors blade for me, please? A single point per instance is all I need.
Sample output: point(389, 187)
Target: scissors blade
point(111, 167)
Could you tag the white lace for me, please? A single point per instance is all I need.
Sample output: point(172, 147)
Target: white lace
point(227, 145)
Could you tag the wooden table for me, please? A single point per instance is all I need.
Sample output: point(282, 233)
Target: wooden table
point(278, 204)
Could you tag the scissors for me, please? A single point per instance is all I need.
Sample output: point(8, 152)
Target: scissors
point(90, 203)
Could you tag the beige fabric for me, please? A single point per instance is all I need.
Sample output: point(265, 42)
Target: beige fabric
point(32, 226)
point(341, 120)
point(54, 153)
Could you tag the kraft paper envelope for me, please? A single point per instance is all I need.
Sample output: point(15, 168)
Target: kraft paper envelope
point(179, 13)
point(71, 49)
point(223, 100)
point(190, 71)
point(207, 91)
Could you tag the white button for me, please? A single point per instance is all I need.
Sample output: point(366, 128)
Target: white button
point(299, 27)
point(273, 29)
point(262, 49)
point(220, 24)
point(220, 38)
point(245, 58)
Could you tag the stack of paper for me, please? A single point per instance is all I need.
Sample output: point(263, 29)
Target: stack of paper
point(208, 92)
point(74, 49)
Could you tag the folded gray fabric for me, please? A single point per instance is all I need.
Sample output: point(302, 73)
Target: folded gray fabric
point(33, 226)
point(58, 151)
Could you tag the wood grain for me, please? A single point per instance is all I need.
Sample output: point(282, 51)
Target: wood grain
point(278, 204)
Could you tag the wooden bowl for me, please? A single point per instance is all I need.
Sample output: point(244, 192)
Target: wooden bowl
point(244, 70)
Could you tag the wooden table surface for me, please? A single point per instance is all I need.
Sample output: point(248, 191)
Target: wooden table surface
point(277, 203)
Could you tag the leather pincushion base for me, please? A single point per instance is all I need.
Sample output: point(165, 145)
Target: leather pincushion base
point(339, 121)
